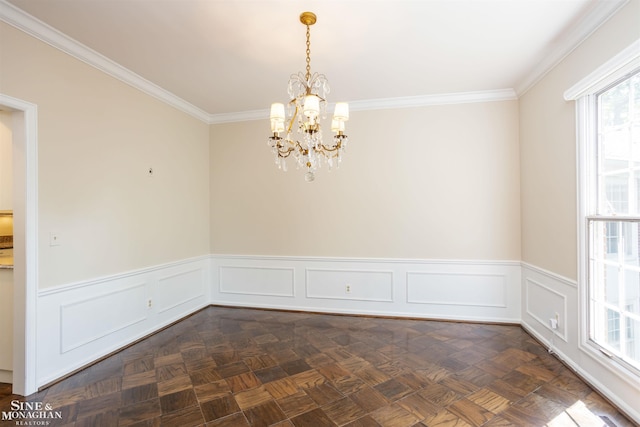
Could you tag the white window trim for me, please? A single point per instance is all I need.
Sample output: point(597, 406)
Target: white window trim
point(583, 93)
point(623, 63)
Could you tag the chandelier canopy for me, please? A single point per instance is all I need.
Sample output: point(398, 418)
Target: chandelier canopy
point(308, 104)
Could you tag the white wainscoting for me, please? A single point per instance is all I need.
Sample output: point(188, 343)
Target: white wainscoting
point(82, 322)
point(544, 295)
point(445, 289)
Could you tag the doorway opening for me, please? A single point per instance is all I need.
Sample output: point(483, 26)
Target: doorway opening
point(25, 211)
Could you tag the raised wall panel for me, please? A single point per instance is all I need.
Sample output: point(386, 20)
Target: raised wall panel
point(450, 288)
point(366, 285)
point(96, 317)
point(251, 280)
point(179, 288)
point(543, 302)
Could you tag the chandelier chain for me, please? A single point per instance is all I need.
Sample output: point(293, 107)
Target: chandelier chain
point(308, 76)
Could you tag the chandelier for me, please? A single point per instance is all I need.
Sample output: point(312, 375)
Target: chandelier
point(307, 106)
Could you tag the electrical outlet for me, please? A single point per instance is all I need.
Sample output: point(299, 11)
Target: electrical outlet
point(347, 289)
point(149, 303)
point(553, 323)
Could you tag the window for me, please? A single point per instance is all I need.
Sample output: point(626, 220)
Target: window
point(612, 213)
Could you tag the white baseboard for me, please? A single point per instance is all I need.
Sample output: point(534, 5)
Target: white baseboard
point(6, 376)
point(455, 290)
point(82, 322)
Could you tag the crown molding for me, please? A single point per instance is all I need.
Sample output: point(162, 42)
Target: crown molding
point(388, 103)
point(240, 116)
point(23, 21)
point(599, 13)
point(44, 32)
point(436, 99)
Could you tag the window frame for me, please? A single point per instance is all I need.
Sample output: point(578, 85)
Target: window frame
point(585, 93)
point(592, 315)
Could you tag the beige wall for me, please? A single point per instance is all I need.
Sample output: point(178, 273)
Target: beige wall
point(448, 188)
point(548, 148)
point(430, 183)
point(96, 139)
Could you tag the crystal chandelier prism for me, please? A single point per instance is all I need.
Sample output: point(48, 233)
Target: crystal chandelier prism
point(303, 137)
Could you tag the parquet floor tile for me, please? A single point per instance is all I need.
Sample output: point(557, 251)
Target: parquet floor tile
point(236, 367)
point(296, 404)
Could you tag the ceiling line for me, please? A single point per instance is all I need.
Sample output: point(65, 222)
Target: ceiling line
point(29, 24)
point(387, 103)
point(574, 36)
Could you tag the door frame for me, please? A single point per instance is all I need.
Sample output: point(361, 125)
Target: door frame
point(25, 200)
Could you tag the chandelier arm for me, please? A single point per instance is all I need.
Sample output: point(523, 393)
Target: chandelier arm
point(301, 149)
point(293, 117)
point(331, 148)
point(284, 153)
point(329, 154)
point(296, 146)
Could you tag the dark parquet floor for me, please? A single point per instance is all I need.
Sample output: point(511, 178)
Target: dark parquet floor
point(232, 367)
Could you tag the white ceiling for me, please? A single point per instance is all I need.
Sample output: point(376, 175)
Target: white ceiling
point(228, 56)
